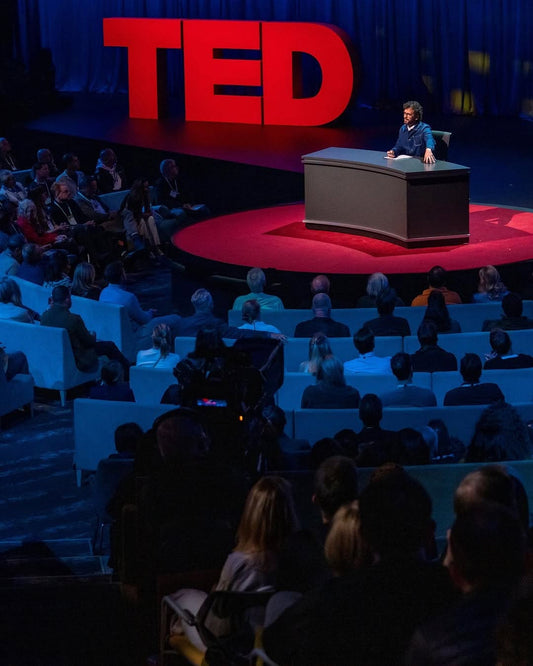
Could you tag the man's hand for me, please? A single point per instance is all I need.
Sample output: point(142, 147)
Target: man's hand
point(391, 153)
point(429, 158)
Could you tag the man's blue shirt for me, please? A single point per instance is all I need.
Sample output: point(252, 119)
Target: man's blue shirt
point(414, 142)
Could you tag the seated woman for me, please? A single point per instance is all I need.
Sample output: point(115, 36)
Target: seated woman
point(112, 385)
point(319, 348)
point(437, 312)
point(331, 390)
point(268, 519)
point(83, 282)
point(11, 306)
point(159, 356)
point(30, 226)
point(343, 548)
point(138, 217)
point(56, 271)
point(491, 287)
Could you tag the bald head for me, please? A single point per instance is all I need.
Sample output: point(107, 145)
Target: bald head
point(321, 305)
point(320, 285)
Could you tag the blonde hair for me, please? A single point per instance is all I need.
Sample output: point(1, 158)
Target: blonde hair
point(490, 282)
point(268, 519)
point(343, 549)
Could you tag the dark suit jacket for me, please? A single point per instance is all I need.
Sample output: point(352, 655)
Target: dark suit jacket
point(433, 359)
point(389, 325)
point(83, 342)
point(121, 392)
point(326, 325)
point(474, 394)
point(508, 323)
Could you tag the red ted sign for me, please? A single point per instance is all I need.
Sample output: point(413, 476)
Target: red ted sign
point(206, 68)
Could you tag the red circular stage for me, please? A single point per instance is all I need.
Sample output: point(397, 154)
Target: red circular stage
point(277, 238)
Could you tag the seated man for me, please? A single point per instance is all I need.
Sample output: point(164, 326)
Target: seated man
point(85, 347)
point(110, 176)
point(72, 173)
point(41, 179)
point(251, 316)
point(203, 305)
point(142, 321)
point(91, 205)
point(502, 356)
point(256, 280)
point(7, 159)
point(387, 323)
point(32, 266)
point(376, 446)
point(512, 319)
point(406, 394)
point(112, 385)
point(471, 391)
point(331, 390)
point(44, 156)
point(169, 195)
point(437, 281)
point(430, 357)
point(322, 321)
point(11, 254)
point(368, 362)
point(377, 283)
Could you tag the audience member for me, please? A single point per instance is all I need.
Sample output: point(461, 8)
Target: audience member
point(160, 355)
point(387, 324)
point(41, 180)
point(335, 485)
point(11, 192)
point(415, 449)
point(251, 316)
point(406, 394)
point(449, 449)
point(83, 282)
point(13, 363)
point(319, 348)
point(11, 306)
point(321, 322)
point(437, 282)
point(256, 280)
point(142, 321)
point(375, 445)
point(127, 438)
point(85, 347)
point(377, 283)
point(487, 557)
point(30, 226)
point(367, 362)
point(57, 269)
point(323, 449)
point(330, 390)
point(502, 356)
point(109, 175)
point(512, 318)
point(91, 205)
point(275, 449)
point(7, 159)
point(138, 217)
point(171, 198)
point(112, 385)
point(437, 312)
point(32, 267)
point(500, 434)
point(491, 287)
point(11, 254)
point(320, 284)
point(203, 305)
point(44, 156)
point(72, 173)
point(471, 391)
point(430, 357)
point(343, 547)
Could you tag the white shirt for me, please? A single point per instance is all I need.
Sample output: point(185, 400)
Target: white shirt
point(151, 358)
point(368, 364)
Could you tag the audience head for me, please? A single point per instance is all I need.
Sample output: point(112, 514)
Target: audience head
point(486, 547)
point(490, 280)
point(370, 410)
point(320, 285)
point(5, 146)
point(40, 171)
point(62, 190)
point(112, 373)
point(414, 447)
point(209, 343)
point(108, 157)
point(251, 311)
point(427, 333)
point(202, 301)
point(61, 295)
point(500, 434)
point(500, 341)
point(44, 156)
point(6, 178)
point(437, 277)
point(319, 348)
point(269, 517)
point(401, 366)
point(363, 340)
point(321, 305)
point(386, 301)
point(395, 514)
point(323, 449)
point(181, 437)
point(437, 311)
point(127, 436)
point(490, 483)
point(343, 544)
point(470, 368)
point(31, 254)
point(83, 277)
point(162, 339)
point(10, 291)
point(71, 162)
point(331, 371)
point(27, 209)
point(335, 485)
point(114, 272)
point(256, 280)
point(168, 168)
point(448, 449)
point(275, 419)
point(512, 305)
point(377, 283)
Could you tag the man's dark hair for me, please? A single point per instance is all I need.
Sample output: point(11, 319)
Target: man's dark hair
point(437, 277)
point(395, 513)
point(363, 340)
point(127, 436)
point(60, 294)
point(386, 301)
point(427, 333)
point(401, 366)
point(113, 272)
point(68, 158)
point(512, 305)
point(251, 310)
point(415, 450)
point(500, 341)
point(335, 484)
point(488, 544)
point(370, 410)
point(471, 368)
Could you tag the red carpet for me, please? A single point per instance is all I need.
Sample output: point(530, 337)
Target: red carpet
point(277, 238)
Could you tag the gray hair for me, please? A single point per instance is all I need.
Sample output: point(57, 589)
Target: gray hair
point(256, 280)
point(202, 301)
point(377, 282)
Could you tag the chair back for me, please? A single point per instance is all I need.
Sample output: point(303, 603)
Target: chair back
point(442, 141)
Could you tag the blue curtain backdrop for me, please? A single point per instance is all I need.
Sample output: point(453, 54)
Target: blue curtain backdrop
point(460, 56)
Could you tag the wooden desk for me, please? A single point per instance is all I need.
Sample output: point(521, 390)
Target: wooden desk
point(400, 200)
